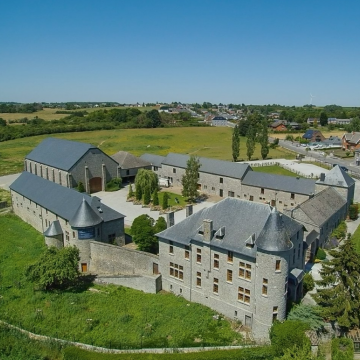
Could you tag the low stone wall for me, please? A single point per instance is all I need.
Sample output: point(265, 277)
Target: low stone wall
point(148, 284)
point(109, 259)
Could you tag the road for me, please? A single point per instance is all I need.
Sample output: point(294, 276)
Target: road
point(353, 170)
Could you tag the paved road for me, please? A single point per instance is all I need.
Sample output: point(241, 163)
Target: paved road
point(7, 180)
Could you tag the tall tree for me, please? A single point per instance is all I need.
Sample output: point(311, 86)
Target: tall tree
point(142, 232)
point(155, 197)
point(146, 178)
point(190, 179)
point(339, 293)
point(263, 139)
point(323, 118)
point(165, 201)
point(250, 142)
point(235, 143)
point(147, 196)
point(56, 268)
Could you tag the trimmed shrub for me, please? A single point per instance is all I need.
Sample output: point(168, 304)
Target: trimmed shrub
point(353, 211)
point(138, 193)
point(113, 184)
point(155, 200)
point(147, 197)
point(80, 187)
point(131, 192)
point(320, 254)
point(165, 200)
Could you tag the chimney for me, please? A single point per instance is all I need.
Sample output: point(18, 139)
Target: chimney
point(170, 219)
point(208, 229)
point(322, 177)
point(189, 210)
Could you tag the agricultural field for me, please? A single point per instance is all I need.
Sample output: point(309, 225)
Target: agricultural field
point(50, 114)
point(109, 316)
point(209, 142)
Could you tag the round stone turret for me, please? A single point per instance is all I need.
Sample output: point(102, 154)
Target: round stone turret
point(85, 216)
point(54, 235)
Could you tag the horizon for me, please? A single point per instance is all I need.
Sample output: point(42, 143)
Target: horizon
point(235, 52)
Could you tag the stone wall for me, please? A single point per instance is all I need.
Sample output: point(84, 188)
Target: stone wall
point(148, 284)
point(116, 260)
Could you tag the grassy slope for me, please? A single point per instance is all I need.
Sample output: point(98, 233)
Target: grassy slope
point(356, 239)
point(120, 316)
point(208, 142)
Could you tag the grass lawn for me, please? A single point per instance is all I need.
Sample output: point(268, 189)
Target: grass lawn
point(5, 196)
point(356, 239)
point(112, 316)
point(274, 169)
point(172, 196)
point(212, 142)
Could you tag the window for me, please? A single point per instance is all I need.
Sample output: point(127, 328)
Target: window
point(229, 276)
point(262, 191)
point(127, 172)
point(216, 261)
point(171, 247)
point(251, 198)
point(204, 187)
point(212, 188)
point(292, 196)
point(244, 270)
point(187, 252)
point(155, 168)
point(174, 171)
point(299, 248)
point(244, 295)
point(176, 271)
point(216, 286)
point(294, 253)
point(67, 236)
point(273, 202)
point(221, 180)
point(286, 285)
point(278, 265)
point(111, 239)
point(275, 313)
point(198, 256)
point(265, 287)
point(198, 279)
point(60, 178)
point(231, 194)
point(73, 234)
point(230, 256)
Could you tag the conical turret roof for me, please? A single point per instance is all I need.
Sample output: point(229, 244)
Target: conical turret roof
point(85, 216)
point(273, 236)
point(54, 229)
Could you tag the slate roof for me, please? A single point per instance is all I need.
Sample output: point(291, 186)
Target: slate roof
point(274, 236)
point(58, 199)
point(280, 182)
point(85, 216)
point(54, 229)
point(310, 133)
point(238, 220)
point(211, 166)
point(337, 177)
point(59, 153)
point(129, 161)
point(353, 138)
point(321, 207)
point(154, 160)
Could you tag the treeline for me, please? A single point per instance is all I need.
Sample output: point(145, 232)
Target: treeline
point(20, 108)
point(129, 118)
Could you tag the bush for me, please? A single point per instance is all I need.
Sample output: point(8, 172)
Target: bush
point(80, 187)
point(113, 184)
point(320, 254)
point(353, 211)
point(308, 283)
point(340, 231)
point(289, 137)
point(288, 334)
point(131, 192)
point(165, 200)
point(147, 196)
point(155, 196)
point(342, 349)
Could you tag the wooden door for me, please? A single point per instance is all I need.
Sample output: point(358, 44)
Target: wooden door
point(95, 184)
point(84, 267)
point(155, 268)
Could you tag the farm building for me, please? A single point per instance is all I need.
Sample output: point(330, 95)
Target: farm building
point(68, 163)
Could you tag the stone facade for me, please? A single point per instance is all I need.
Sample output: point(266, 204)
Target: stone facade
point(281, 199)
point(252, 290)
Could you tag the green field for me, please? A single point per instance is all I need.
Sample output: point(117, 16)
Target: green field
point(109, 316)
point(274, 169)
point(202, 141)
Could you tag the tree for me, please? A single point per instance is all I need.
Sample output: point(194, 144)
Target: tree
point(56, 268)
point(250, 142)
point(131, 192)
point(154, 119)
point(323, 118)
point(288, 334)
point(138, 192)
point(155, 197)
point(146, 178)
point(308, 314)
point(235, 143)
point(143, 232)
point(147, 196)
point(263, 140)
point(160, 225)
point(165, 200)
point(339, 293)
point(190, 179)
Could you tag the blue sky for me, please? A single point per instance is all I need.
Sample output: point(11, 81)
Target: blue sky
point(230, 51)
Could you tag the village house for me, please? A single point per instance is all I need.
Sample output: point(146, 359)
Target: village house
point(240, 258)
point(313, 136)
point(351, 141)
point(336, 121)
point(278, 126)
